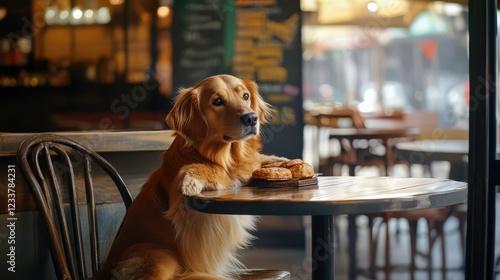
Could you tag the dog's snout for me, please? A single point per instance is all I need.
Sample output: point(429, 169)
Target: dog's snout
point(249, 119)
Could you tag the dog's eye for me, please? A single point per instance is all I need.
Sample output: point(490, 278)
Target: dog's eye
point(246, 96)
point(218, 102)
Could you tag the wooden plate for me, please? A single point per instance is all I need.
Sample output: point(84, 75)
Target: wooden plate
point(287, 183)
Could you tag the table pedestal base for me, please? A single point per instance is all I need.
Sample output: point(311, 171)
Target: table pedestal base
point(323, 263)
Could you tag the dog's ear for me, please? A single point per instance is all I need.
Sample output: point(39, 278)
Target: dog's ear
point(185, 117)
point(259, 106)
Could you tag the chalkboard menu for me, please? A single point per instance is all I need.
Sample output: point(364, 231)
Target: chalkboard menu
point(258, 40)
point(198, 41)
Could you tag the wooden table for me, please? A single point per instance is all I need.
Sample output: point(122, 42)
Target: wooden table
point(427, 151)
point(385, 135)
point(334, 196)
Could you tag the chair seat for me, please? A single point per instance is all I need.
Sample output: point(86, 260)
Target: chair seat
point(262, 274)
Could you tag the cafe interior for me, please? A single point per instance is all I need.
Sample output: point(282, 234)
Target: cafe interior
point(361, 90)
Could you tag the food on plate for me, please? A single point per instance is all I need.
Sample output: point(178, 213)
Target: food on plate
point(291, 163)
point(295, 168)
point(272, 173)
point(303, 170)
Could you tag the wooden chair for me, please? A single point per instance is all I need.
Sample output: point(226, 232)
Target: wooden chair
point(45, 160)
point(369, 152)
point(435, 219)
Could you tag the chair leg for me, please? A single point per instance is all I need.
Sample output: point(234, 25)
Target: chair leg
point(430, 228)
point(462, 224)
point(387, 251)
point(372, 245)
point(440, 232)
point(413, 247)
point(337, 230)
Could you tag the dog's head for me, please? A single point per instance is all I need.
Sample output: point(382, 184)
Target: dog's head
point(220, 109)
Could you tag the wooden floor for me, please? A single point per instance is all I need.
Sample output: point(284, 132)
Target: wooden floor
point(298, 262)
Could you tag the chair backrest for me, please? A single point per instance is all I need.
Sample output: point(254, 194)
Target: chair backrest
point(335, 117)
point(45, 160)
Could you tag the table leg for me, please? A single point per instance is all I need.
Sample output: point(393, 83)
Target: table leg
point(323, 262)
point(352, 169)
point(352, 232)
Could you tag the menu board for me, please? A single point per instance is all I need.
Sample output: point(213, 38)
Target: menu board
point(198, 41)
point(267, 49)
point(258, 40)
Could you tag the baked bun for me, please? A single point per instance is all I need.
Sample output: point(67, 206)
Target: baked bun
point(272, 173)
point(290, 163)
point(295, 168)
point(303, 170)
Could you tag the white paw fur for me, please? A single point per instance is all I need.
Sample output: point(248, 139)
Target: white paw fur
point(190, 185)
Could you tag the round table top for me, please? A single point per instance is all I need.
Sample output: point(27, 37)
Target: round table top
point(373, 133)
point(456, 146)
point(334, 195)
point(424, 151)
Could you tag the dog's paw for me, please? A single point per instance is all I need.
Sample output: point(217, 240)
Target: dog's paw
point(190, 185)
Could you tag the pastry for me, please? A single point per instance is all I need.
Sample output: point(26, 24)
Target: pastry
point(303, 170)
point(289, 163)
point(272, 173)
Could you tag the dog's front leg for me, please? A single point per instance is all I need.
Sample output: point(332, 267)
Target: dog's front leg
point(199, 177)
point(267, 159)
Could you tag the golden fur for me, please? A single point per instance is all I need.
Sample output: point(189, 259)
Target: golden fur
point(214, 149)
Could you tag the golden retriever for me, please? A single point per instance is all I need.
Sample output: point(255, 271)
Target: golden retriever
point(217, 146)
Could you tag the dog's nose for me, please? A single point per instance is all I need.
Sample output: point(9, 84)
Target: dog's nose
point(249, 119)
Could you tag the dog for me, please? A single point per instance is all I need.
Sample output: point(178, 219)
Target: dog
point(217, 146)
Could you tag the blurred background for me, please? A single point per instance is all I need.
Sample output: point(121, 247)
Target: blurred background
point(79, 56)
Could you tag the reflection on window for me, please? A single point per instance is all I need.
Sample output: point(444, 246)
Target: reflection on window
point(411, 65)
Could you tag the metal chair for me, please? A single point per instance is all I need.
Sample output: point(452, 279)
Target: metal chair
point(46, 162)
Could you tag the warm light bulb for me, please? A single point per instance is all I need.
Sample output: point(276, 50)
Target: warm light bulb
point(372, 7)
point(88, 16)
point(163, 11)
point(64, 14)
point(88, 13)
point(64, 17)
point(51, 15)
point(103, 15)
point(77, 13)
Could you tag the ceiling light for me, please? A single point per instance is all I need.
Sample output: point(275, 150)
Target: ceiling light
point(103, 15)
point(372, 7)
point(64, 17)
point(115, 2)
point(77, 13)
point(163, 12)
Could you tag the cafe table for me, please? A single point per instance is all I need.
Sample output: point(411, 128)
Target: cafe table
point(426, 151)
point(385, 135)
point(333, 195)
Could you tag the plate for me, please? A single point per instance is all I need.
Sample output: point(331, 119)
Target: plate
point(272, 179)
point(286, 183)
